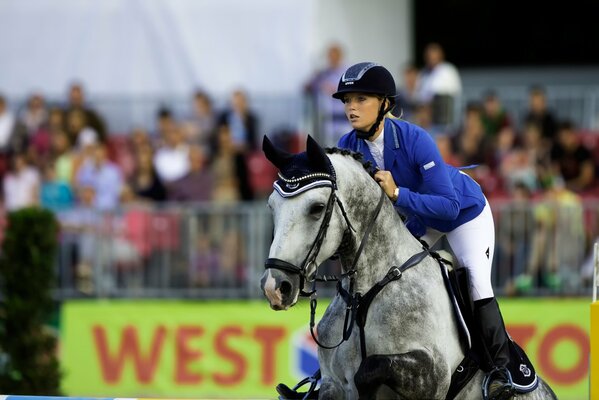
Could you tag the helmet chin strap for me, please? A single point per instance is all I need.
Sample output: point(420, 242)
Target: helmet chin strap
point(382, 112)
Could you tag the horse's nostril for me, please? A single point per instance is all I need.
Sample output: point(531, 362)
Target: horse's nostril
point(285, 288)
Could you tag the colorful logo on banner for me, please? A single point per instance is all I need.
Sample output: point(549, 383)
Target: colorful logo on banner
point(305, 360)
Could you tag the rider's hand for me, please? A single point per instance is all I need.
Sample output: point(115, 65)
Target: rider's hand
point(385, 180)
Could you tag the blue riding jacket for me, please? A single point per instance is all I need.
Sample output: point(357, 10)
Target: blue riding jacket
point(431, 193)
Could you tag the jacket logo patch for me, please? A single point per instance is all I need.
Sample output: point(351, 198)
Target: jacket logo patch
point(429, 165)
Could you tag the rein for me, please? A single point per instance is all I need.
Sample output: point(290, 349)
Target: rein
point(351, 309)
point(358, 304)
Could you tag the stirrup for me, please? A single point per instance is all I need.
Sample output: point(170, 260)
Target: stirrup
point(287, 393)
point(505, 390)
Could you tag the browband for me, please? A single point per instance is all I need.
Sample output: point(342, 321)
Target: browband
point(289, 187)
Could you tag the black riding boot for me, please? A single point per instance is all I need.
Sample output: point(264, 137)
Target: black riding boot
point(497, 384)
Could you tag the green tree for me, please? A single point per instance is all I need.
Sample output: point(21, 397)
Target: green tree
point(28, 362)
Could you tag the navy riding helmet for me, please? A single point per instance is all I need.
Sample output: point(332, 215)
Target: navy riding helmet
point(368, 77)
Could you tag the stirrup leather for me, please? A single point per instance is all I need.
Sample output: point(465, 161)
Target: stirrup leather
point(505, 390)
point(285, 392)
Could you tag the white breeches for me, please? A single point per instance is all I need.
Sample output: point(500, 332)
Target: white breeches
point(473, 244)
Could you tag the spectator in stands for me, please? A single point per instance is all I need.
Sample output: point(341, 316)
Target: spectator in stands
point(204, 262)
point(407, 94)
point(55, 194)
point(87, 136)
point(501, 146)
point(35, 115)
point(515, 231)
point(231, 182)
point(494, 116)
point(75, 122)
point(572, 160)
point(21, 184)
point(200, 128)
point(470, 143)
point(13, 134)
point(329, 113)
point(35, 118)
point(423, 117)
point(165, 122)
point(139, 139)
point(518, 168)
point(84, 150)
point(196, 185)
point(439, 84)
point(145, 185)
point(91, 117)
point(537, 150)
point(103, 176)
point(81, 230)
point(63, 157)
point(241, 122)
point(56, 120)
point(172, 157)
point(474, 150)
point(232, 260)
point(558, 218)
point(538, 113)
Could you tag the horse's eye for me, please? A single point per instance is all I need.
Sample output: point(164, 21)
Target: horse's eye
point(316, 209)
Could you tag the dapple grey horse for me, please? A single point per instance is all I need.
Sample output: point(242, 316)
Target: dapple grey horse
point(411, 333)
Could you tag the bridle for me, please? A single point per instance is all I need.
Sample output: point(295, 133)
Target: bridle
point(312, 254)
point(320, 236)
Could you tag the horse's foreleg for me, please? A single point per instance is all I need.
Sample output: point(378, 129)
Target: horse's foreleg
point(412, 375)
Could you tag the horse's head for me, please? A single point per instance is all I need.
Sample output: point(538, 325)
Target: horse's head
point(303, 207)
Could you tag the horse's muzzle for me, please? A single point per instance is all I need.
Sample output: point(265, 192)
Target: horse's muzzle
point(280, 288)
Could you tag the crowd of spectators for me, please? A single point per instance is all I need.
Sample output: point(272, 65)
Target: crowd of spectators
point(50, 153)
point(535, 147)
point(540, 170)
point(63, 156)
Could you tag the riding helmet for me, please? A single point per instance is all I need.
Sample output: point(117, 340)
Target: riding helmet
point(366, 77)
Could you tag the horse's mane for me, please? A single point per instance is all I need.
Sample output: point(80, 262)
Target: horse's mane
point(366, 164)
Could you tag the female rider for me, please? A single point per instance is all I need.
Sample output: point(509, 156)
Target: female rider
point(437, 199)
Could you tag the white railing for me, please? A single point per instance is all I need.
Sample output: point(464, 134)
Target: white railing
point(211, 251)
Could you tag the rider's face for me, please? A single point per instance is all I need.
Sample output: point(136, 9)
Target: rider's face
point(361, 109)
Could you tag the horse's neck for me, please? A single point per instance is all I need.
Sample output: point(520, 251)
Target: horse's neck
point(389, 244)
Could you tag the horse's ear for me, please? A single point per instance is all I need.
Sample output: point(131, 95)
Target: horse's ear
point(317, 157)
point(277, 157)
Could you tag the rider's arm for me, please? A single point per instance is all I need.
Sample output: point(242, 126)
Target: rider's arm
point(436, 196)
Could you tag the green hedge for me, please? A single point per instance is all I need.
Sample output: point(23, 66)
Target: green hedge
point(28, 362)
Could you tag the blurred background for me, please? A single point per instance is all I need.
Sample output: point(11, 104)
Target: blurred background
point(139, 125)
